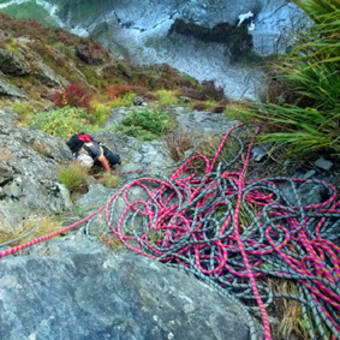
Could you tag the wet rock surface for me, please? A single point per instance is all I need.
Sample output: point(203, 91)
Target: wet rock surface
point(209, 40)
point(100, 295)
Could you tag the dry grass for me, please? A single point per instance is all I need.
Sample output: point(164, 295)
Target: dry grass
point(46, 225)
point(287, 311)
point(178, 142)
point(209, 146)
point(112, 241)
point(41, 147)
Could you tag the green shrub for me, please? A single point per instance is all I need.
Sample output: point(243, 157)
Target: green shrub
point(73, 176)
point(167, 97)
point(145, 124)
point(99, 112)
point(126, 100)
point(62, 122)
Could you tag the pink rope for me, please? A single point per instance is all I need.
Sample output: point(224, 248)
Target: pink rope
point(164, 213)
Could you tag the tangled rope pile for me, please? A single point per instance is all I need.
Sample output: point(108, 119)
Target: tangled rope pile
point(199, 223)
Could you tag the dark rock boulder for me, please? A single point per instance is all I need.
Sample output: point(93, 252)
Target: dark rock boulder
point(11, 64)
point(91, 54)
point(82, 290)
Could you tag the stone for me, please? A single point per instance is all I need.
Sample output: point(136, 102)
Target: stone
point(138, 101)
point(28, 177)
point(11, 64)
point(72, 288)
point(308, 193)
point(205, 122)
point(323, 164)
point(7, 89)
point(90, 54)
point(260, 151)
point(309, 174)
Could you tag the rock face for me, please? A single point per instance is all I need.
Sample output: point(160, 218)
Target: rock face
point(82, 290)
point(10, 90)
point(28, 173)
point(11, 64)
point(205, 122)
point(209, 40)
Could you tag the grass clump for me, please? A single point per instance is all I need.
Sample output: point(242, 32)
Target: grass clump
point(310, 120)
point(73, 176)
point(178, 142)
point(62, 122)
point(167, 97)
point(145, 124)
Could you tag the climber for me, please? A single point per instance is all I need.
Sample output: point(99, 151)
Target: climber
point(88, 151)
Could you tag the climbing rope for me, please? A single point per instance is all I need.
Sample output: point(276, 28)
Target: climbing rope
point(235, 233)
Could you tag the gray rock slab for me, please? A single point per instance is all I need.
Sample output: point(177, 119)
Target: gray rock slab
point(324, 164)
point(205, 122)
point(7, 89)
point(84, 291)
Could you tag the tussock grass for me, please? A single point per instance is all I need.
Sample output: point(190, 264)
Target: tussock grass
point(73, 176)
point(311, 120)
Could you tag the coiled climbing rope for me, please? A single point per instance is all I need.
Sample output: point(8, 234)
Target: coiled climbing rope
point(234, 233)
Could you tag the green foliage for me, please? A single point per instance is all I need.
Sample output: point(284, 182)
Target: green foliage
point(27, 108)
point(167, 97)
point(62, 122)
point(73, 176)
point(30, 10)
point(99, 112)
point(311, 120)
point(145, 124)
point(126, 100)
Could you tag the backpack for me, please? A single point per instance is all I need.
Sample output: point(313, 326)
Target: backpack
point(76, 142)
point(113, 158)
